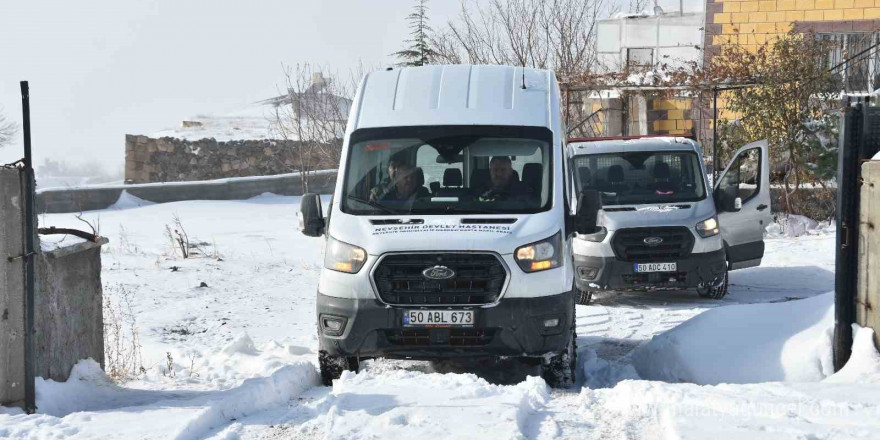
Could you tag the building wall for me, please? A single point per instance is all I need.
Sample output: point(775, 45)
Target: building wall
point(174, 160)
point(753, 22)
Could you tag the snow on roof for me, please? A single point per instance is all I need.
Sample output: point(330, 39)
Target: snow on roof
point(252, 122)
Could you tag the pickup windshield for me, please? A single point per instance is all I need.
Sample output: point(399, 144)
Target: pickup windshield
point(643, 177)
point(448, 170)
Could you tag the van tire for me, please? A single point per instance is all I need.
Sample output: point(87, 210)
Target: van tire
point(716, 292)
point(559, 370)
point(333, 366)
point(584, 297)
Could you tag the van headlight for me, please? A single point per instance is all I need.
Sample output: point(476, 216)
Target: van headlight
point(708, 228)
point(541, 255)
point(343, 257)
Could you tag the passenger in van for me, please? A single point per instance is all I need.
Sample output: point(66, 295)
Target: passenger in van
point(505, 184)
point(403, 184)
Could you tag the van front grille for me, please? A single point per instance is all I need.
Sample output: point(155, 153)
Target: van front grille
point(477, 279)
point(652, 244)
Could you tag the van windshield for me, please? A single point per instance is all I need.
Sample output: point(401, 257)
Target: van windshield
point(642, 177)
point(448, 169)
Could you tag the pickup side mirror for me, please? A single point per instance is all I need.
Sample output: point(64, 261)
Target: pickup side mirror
point(589, 204)
point(311, 216)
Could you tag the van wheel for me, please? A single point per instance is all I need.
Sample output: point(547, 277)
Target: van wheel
point(716, 289)
point(584, 297)
point(559, 370)
point(333, 366)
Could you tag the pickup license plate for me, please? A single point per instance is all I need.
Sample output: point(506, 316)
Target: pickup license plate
point(655, 267)
point(438, 318)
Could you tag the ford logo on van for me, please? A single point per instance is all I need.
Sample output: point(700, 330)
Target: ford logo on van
point(438, 273)
point(653, 241)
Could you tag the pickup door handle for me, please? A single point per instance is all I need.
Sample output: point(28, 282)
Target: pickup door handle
point(762, 207)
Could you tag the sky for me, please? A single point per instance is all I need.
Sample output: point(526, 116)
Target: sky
point(99, 69)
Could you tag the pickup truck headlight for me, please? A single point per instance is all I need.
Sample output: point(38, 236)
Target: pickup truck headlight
point(541, 255)
point(343, 257)
point(708, 228)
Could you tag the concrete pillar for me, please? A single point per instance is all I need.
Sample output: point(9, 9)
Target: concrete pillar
point(12, 313)
point(868, 296)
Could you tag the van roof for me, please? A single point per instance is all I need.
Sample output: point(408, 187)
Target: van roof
point(665, 143)
point(455, 95)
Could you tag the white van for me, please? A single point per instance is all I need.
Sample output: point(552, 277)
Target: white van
point(661, 227)
point(449, 231)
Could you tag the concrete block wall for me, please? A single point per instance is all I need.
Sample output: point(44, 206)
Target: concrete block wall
point(100, 197)
point(68, 309)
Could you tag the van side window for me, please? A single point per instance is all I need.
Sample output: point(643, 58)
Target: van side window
point(743, 178)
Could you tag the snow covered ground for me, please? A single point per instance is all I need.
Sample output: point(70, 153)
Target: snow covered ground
point(228, 347)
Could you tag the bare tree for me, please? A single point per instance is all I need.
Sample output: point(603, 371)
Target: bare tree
point(312, 114)
point(8, 130)
point(548, 34)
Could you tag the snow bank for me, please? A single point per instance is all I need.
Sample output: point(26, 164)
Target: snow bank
point(864, 363)
point(792, 226)
point(789, 341)
point(394, 404)
point(128, 201)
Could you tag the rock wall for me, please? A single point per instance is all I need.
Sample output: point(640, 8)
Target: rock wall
point(175, 160)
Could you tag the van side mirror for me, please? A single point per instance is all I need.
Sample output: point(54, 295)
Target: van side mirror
point(737, 204)
point(588, 206)
point(311, 216)
point(725, 203)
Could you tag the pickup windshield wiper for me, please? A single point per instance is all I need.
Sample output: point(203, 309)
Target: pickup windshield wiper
point(371, 204)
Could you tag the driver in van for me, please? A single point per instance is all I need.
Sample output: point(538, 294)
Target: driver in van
point(402, 184)
point(505, 186)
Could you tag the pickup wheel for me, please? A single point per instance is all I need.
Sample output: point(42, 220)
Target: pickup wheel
point(716, 289)
point(333, 366)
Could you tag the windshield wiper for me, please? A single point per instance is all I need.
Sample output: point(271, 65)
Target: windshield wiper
point(372, 204)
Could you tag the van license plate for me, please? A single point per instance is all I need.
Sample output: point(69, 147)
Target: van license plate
point(439, 318)
point(656, 267)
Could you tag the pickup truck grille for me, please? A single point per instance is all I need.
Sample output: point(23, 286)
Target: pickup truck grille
point(629, 244)
point(478, 279)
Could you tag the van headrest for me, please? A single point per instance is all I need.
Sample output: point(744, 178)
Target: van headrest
point(586, 175)
point(661, 170)
point(420, 176)
point(532, 176)
point(452, 177)
point(615, 174)
point(480, 178)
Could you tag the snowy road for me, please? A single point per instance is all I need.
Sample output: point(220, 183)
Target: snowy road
point(228, 341)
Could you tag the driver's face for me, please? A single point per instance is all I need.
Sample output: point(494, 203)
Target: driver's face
point(404, 181)
point(501, 172)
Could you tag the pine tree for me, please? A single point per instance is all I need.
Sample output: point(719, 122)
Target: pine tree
point(419, 51)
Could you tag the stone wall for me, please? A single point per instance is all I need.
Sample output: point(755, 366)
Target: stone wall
point(175, 160)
